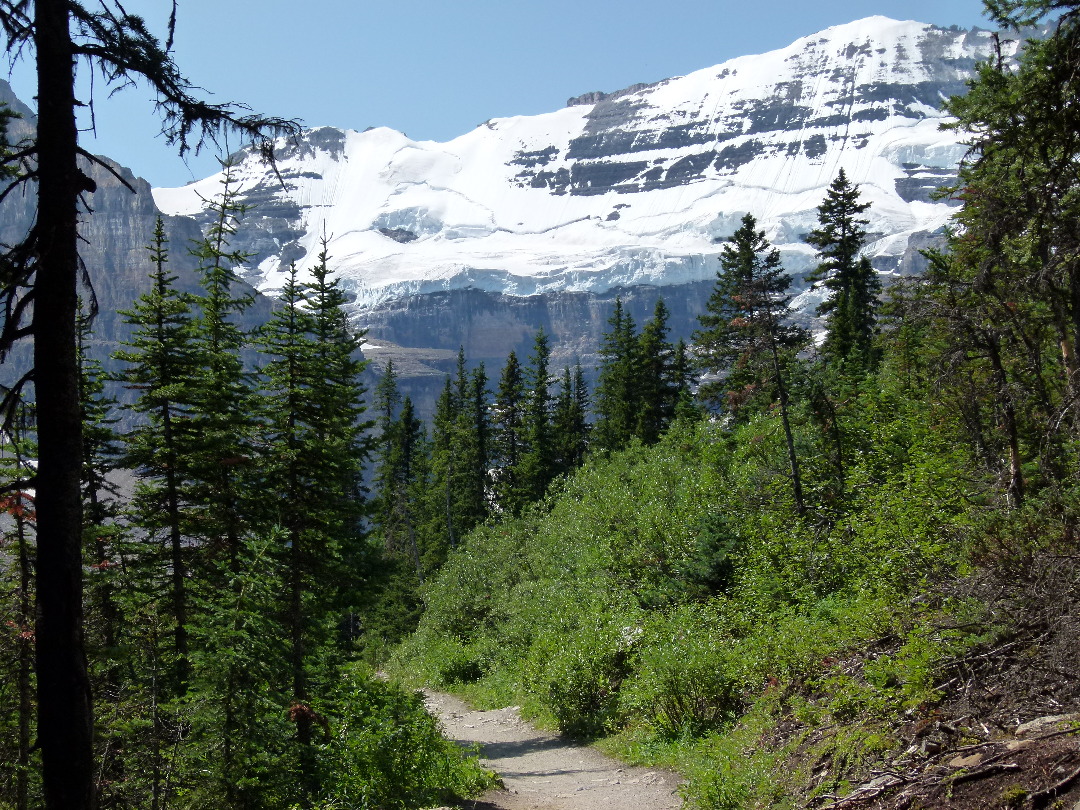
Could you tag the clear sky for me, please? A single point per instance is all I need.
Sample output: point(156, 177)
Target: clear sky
point(435, 69)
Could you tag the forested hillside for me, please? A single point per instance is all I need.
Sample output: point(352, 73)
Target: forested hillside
point(849, 576)
point(805, 570)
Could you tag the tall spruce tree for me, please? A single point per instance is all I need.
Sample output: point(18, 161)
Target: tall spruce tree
point(17, 680)
point(339, 423)
point(401, 491)
point(446, 472)
point(537, 467)
point(460, 451)
point(616, 399)
point(851, 304)
point(568, 422)
point(313, 451)
point(287, 341)
point(408, 484)
point(158, 364)
point(476, 413)
point(508, 421)
point(682, 375)
point(1007, 294)
point(657, 388)
point(744, 338)
point(101, 513)
point(224, 417)
point(386, 403)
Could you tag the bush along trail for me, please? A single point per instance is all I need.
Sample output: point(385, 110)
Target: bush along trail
point(541, 771)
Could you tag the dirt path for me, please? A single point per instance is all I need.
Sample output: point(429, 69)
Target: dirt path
point(544, 772)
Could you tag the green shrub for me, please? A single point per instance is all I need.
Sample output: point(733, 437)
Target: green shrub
point(577, 675)
point(688, 678)
point(384, 752)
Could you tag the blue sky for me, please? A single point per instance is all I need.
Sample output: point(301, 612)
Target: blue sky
point(434, 69)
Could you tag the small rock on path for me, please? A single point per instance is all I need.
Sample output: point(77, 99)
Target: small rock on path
point(545, 772)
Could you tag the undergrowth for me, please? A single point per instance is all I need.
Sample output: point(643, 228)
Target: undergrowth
point(667, 601)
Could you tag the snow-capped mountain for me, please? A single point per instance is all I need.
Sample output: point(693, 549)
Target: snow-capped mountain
point(622, 189)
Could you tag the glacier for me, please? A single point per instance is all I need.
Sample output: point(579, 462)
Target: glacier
point(621, 189)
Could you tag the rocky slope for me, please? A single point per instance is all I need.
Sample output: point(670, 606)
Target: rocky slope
point(542, 220)
point(116, 226)
point(616, 191)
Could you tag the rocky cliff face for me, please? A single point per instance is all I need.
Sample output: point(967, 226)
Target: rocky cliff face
point(491, 233)
point(116, 228)
point(624, 188)
point(543, 220)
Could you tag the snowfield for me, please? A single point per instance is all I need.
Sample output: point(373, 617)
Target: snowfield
point(634, 189)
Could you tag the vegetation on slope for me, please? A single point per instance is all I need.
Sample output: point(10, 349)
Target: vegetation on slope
point(854, 582)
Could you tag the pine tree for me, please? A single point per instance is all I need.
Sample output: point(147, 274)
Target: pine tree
point(46, 265)
point(743, 337)
point(537, 467)
point(682, 375)
point(852, 285)
point(476, 413)
point(1008, 292)
point(508, 421)
point(17, 454)
point(446, 473)
point(224, 416)
point(569, 426)
point(286, 340)
point(616, 398)
point(386, 403)
point(460, 451)
point(314, 453)
point(101, 511)
point(401, 480)
point(409, 482)
point(159, 365)
point(657, 388)
point(339, 396)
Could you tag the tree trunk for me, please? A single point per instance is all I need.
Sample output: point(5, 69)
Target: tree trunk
point(64, 702)
point(176, 554)
point(26, 658)
point(1015, 489)
point(793, 459)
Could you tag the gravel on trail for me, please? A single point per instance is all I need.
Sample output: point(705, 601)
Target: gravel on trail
point(541, 771)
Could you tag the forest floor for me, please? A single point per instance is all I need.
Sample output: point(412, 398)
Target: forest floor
point(541, 771)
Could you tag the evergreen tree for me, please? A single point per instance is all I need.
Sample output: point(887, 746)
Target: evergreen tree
point(159, 364)
point(386, 403)
point(446, 472)
point(46, 265)
point(17, 682)
point(852, 285)
point(287, 341)
point(314, 449)
point(657, 387)
point(569, 426)
point(460, 451)
point(1008, 293)
point(537, 467)
point(616, 398)
point(508, 421)
point(409, 482)
point(227, 491)
point(476, 412)
point(338, 396)
point(224, 416)
point(682, 375)
point(101, 510)
point(743, 337)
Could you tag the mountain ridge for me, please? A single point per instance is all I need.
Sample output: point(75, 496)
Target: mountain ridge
point(626, 188)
